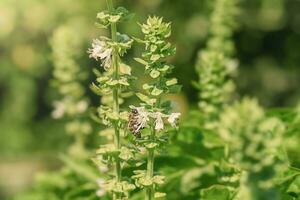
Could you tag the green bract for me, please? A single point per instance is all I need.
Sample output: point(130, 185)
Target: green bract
point(108, 17)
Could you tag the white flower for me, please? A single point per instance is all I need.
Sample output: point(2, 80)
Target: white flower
point(59, 109)
point(159, 123)
point(142, 118)
point(100, 50)
point(172, 119)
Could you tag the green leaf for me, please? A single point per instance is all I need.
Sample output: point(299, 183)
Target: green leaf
point(153, 48)
point(167, 46)
point(139, 60)
point(145, 181)
point(126, 154)
point(102, 79)
point(145, 99)
point(108, 149)
point(112, 82)
point(138, 40)
point(172, 81)
point(102, 15)
point(127, 186)
point(95, 89)
point(142, 97)
point(125, 69)
point(147, 86)
point(164, 68)
point(159, 195)
point(154, 73)
point(123, 81)
point(216, 192)
point(156, 92)
point(151, 145)
point(112, 115)
point(155, 57)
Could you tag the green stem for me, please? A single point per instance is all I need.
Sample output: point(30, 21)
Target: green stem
point(150, 160)
point(150, 166)
point(116, 109)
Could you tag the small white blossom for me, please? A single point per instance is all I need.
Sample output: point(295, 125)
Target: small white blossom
point(172, 119)
point(159, 123)
point(59, 110)
point(142, 118)
point(100, 50)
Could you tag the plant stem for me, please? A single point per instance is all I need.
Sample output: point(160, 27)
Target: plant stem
point(150, 160)
point(118, 172)
point(150, 167)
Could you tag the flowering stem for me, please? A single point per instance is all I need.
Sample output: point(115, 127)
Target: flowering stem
point(154, 59)
point(116, 109)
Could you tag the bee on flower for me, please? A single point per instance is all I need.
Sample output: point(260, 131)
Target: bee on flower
point(139, 117)
point(137, 120)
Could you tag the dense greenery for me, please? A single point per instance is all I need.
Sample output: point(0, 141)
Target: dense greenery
point(122, 123)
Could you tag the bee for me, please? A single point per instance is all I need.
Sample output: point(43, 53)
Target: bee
point(133, 125)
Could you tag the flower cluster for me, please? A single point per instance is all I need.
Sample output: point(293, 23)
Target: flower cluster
point(101, 51)
point(113, 85)
point(67, 76)
point(154, 110)
point(215, 65)
point(144, 117)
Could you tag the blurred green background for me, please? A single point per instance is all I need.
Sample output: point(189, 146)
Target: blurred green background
point(267, 43)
